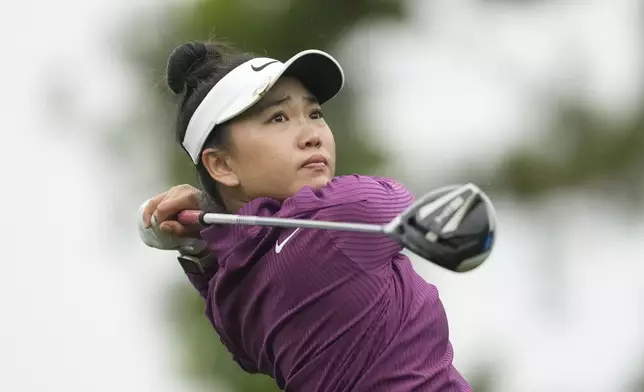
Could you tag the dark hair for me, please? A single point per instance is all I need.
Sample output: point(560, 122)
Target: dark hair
point(193, 69)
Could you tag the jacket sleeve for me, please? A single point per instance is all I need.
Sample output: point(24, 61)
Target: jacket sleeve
point(361, 199)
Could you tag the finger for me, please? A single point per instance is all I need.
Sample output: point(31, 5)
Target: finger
point(173, 228)
point(178, 229)
point(162, 211)
point(175, 203)
point(193, 231)
point(149, 209)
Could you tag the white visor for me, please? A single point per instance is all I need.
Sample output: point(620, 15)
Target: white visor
point(242, 87)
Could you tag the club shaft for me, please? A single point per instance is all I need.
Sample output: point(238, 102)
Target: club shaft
point(227, 219)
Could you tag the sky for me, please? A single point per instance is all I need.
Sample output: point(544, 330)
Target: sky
point(82, 297)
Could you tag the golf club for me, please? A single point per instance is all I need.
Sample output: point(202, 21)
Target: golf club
point(453, 227)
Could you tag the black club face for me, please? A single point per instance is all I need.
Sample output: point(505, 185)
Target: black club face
point(452, 227)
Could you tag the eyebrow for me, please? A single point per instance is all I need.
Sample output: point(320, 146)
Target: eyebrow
point(264, 105)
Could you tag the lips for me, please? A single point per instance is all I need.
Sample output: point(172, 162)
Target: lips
point(316, 162)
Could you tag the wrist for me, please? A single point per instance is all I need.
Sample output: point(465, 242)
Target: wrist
point(194, 253)
point(196, 248)
point(203, 264)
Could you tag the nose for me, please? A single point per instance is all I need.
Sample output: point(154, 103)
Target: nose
point(309, 138)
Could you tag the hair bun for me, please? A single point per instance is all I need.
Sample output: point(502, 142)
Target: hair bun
point(190, 63)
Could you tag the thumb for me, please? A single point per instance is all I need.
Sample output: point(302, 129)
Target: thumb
point(179, 230)
point(171, 227)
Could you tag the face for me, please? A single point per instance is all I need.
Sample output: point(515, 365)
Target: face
point(277, 147)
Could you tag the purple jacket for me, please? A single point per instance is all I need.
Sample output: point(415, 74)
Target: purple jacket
point(328, 310)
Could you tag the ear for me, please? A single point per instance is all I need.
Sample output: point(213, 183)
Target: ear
point(217, 163)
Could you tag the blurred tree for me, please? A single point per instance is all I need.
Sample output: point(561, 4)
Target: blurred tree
point(583, 150)
point(279, 29)
point(485, 376)
point(638, 384)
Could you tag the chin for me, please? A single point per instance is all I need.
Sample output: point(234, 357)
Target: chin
point(320, 184)
point(317, 182)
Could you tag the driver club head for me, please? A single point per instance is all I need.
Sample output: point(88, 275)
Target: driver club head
point(453, 227)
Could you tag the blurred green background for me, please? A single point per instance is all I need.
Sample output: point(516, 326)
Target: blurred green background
point(592, 151)
point(541, 103)
point(252, 26)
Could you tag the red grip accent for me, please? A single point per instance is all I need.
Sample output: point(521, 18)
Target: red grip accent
point(189, 217)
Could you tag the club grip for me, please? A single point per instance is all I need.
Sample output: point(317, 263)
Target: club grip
point(190, 217)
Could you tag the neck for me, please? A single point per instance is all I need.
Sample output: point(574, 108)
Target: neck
point(232, 199)
point(232, 206)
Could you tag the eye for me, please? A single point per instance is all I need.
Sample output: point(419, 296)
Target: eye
point(278, 118)
point(317, 114)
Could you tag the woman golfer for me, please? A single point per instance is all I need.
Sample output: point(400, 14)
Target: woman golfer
point(315, 310)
